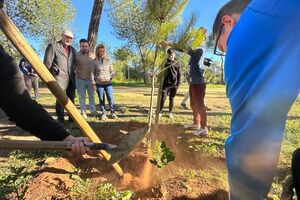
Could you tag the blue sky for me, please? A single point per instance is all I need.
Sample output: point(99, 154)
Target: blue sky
point(207, 10)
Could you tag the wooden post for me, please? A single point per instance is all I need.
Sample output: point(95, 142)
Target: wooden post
point(13, 34)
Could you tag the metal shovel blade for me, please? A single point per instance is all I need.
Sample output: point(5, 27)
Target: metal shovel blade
point(100, 146)
point(128, 144)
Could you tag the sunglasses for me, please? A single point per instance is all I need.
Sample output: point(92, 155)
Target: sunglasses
point(216, 50)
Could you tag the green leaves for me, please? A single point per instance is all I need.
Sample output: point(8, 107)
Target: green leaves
point(160, 154)
point(188, 37)
point(130, 22)
point(162, 11)
point(107, 191)
point(42, 19)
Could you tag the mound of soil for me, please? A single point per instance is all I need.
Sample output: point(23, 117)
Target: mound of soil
point(54, 179)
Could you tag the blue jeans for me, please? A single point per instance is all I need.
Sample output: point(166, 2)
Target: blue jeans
point(262, 76)
point(82, 86)
point(109, 93)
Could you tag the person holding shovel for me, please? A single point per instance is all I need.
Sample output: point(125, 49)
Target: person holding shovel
point(262, 77)
point(27, 113)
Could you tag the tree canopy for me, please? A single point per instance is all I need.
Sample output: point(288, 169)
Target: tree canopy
point(42, 20)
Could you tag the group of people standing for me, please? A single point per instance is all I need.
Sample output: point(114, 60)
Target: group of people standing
point(83, 71)
point(88, 72)
point(197, 85)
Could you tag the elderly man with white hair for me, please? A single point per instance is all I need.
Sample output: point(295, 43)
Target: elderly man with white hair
point(60, 60)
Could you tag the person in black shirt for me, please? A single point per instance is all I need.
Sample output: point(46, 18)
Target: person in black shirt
point(26, 113)
point(171, 82)
point(30, 77)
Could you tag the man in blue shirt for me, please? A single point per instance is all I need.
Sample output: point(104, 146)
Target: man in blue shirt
point(262, 76)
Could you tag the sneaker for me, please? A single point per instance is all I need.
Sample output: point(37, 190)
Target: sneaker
point(184, 106)
point(200, 132)
point(191, 126)
point(103, 117)
point(113, 115)
point(83, 113)
point(170, 115)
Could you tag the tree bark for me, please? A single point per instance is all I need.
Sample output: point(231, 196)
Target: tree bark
point(94, 23)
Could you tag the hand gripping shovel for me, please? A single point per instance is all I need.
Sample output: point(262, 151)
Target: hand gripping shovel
point(50, 145)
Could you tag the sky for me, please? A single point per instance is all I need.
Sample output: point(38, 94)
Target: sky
point(207, 10)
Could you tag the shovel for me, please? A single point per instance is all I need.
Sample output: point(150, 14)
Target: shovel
point(50, 145)
point(14, 35)
point(133, 138)
point(116, 154)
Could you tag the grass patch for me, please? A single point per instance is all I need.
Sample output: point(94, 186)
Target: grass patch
point(134, 98)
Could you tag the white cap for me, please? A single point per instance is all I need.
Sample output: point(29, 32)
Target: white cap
point(68, 33)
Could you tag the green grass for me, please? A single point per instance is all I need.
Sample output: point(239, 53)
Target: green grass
point(131, 84)
point(19, 168)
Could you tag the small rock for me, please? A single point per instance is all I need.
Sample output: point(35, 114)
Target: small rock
point(123, 132)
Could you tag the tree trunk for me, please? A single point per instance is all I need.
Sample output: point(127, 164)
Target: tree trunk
point(145, 75)
point(94, 23)
point(160, 83)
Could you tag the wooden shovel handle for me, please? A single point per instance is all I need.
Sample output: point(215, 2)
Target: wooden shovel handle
point(35, 145)
point(13, 34)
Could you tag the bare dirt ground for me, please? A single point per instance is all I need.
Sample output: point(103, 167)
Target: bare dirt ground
point(147, 181)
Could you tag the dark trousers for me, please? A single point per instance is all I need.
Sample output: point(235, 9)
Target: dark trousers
point(70, 91)
point(296, 171)
point(108, 90)
point(197, 95)
point(168, 91)
point(32, 82)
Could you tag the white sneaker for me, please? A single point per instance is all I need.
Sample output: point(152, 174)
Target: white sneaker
point(114, 116)
point(83, 113)
point(200, 132)
point(103, 117)
point(170, 115)
point(191, 126)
